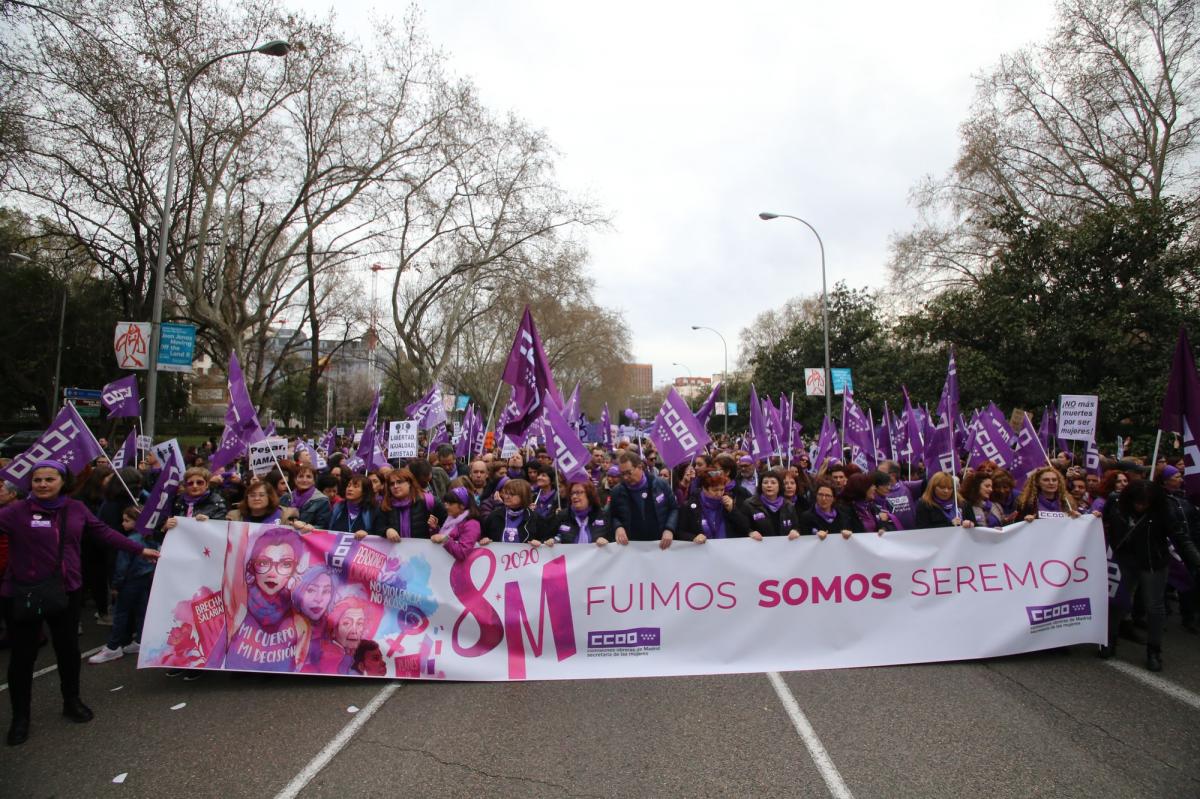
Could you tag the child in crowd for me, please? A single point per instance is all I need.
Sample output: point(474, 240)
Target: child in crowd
point(132, 577)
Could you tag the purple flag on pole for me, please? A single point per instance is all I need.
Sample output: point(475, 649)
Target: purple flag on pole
point(706, 408)
point(997, 425)
point(368, 449)
point(948, 403)
point(760, 444)
point(828, 446)
point(1091, 459)
point(67, 440)
point(913, 448)
point(528, 372)
point(1028, 454)
point(571, 409)
point(241, 422)
point(605, 437)
point(939, 450)
point(1181, 410)
point(856, 432)
point(569, 454)
point(120, 397)
point(986, 445)
point(127, 454)
point(429, 410)
point(677, 433)
point(466, 438)
point(1045, 431)
point(328, 441)
point(440, 436)
point(161, 503)
point(270, 429)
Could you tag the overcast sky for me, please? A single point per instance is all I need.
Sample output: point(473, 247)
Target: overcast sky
point(683, 120)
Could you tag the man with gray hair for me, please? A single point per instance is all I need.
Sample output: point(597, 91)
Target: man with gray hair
point(643, 506)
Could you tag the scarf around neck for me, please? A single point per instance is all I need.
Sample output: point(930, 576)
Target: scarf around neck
point(712, 516)
point(54, 503)
point(268, 611)
point(772, 505)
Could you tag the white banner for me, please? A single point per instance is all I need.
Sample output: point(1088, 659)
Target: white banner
point(402, 440)
point(511, 612)
point(262, 457)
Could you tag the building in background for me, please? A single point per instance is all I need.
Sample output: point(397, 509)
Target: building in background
point(692, 388)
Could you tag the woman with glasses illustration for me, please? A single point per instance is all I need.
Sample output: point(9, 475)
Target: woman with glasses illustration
point(262, 627)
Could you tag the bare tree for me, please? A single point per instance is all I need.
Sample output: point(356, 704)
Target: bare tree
point(1103, 113)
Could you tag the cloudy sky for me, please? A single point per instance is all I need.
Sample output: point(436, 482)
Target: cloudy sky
point(683, 120)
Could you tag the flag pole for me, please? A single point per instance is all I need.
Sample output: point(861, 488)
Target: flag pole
point(492, 411)
point(1154, 457)
point(116, 472)
point(791, 406)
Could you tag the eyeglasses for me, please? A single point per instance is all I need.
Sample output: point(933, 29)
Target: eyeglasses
point(282, 567)
point(197, 482)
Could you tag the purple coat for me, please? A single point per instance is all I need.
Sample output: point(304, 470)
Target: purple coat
point(32, 549)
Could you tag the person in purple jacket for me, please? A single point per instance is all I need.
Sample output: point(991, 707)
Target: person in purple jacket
point(33, 527)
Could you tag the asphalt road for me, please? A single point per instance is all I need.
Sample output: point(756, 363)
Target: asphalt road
point(1047, 725)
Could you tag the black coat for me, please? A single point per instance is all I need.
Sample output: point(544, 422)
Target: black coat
point(532, 527)
point(757, 516)
point(930, 515)
point(564, 527)
point(370, 519)
point(1141, 542)
point(810, 523)
point(644, 513)
point(418, 517)
point(857, 525)
point(690, 526)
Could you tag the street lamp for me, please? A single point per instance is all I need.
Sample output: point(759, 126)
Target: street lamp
point(683, 365)
point(766, 216)
point(276, 47)
point(724, 374)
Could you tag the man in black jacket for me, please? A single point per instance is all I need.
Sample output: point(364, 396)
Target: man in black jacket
point(643, 507)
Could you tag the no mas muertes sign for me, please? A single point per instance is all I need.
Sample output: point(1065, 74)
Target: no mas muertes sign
point(1077, 415)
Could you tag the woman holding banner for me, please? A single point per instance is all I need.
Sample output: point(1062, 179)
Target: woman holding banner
point(977, 501)
point(356, 513)
point(583, 520)
point(406, 511)
point(198, 501)
point(1045, 496)
point(311, 504)
point(513, 522)
point(44, 533)
point(825, 516)
point(866, 514)
point(1139, 529)
point(937, 507)
point(460, 532)
point(770, 513)
point(260, 505)
point(713, 514)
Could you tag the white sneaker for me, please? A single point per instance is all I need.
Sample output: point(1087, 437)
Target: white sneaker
point(132, 649)
point(103, 619)
point(105, 655)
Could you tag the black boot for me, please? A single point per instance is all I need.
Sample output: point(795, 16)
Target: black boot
point(1106, 651)
point(1153, 658)
point(18, 731)
point(77, 711)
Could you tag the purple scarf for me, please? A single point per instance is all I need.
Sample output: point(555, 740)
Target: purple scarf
point(54, 503)
point(514, 474)
point(828, 515)
point(866, 516)
point(641, 484)
point(268, 611)
point(301, 498)
point(353, 509)
point(772, 505)
point(946, 506)
point(712, 516)
point(513, 519)
point(585, 536)
point(403, 516)
point(191, 502)
point(546, 501)
point(1052, 505)
point(270, 518)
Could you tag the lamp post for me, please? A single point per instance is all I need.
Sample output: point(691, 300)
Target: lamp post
point(684, 366)
point(724, 374)
point(766, 216)
point(276, 48)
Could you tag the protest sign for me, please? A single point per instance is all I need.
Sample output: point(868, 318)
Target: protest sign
point(262, 457)
point(402, 440)
point(1077, 416)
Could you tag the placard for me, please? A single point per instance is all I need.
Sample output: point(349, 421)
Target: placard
point(402, 440)
point(1077, 417)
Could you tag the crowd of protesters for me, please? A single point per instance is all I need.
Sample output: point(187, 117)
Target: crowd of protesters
point(1151, 527)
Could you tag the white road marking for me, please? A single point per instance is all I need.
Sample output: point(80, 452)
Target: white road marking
point(1158, 683)
point(822, 760)
point(305, 776)
point(49, 669)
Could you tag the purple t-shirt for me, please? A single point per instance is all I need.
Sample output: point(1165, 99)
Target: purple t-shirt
point(902, 503)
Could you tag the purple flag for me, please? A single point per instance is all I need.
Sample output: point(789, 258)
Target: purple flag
point(1091, 459)
point(1046, 428)
point(569, 454)
point(127, 454)
point(828, 446)
point(605, 437)
point(885, 451)
point(328, 441)
point(467, 437)
point(913, 447)
point(429, 410)
point(997, 425)
point(368, 447)
point(1028, 454)
point(948, 403)
point(706, 408)
point(939, 450)
point(760, 443)
point(270, 429)
point(571, 410)
point(528, 372)
point(961, 434)
point(856, 432)
point(120, 397)
point(440, 436)
point(241, 422)
point(1181, 410)
point(677, 433)
point(68, 441)
point(161, 503)
point(986, 445)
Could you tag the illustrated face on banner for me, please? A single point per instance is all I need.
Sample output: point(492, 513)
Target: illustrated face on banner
point(350, 627)
point(313, 600)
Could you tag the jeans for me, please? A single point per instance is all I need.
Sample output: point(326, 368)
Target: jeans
point(130, 612)
point(64, 635)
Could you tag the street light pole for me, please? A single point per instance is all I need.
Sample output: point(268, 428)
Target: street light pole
point(685, 366)
point(724, 374)
point(272, 48)
point(766, 216)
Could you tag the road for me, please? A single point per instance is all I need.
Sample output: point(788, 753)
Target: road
point(1053, 724)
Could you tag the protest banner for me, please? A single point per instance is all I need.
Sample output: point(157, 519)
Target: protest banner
point(402, 439)
point(1077, 417)
point(510, 612)
point(262, 457)
point(168, 452)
